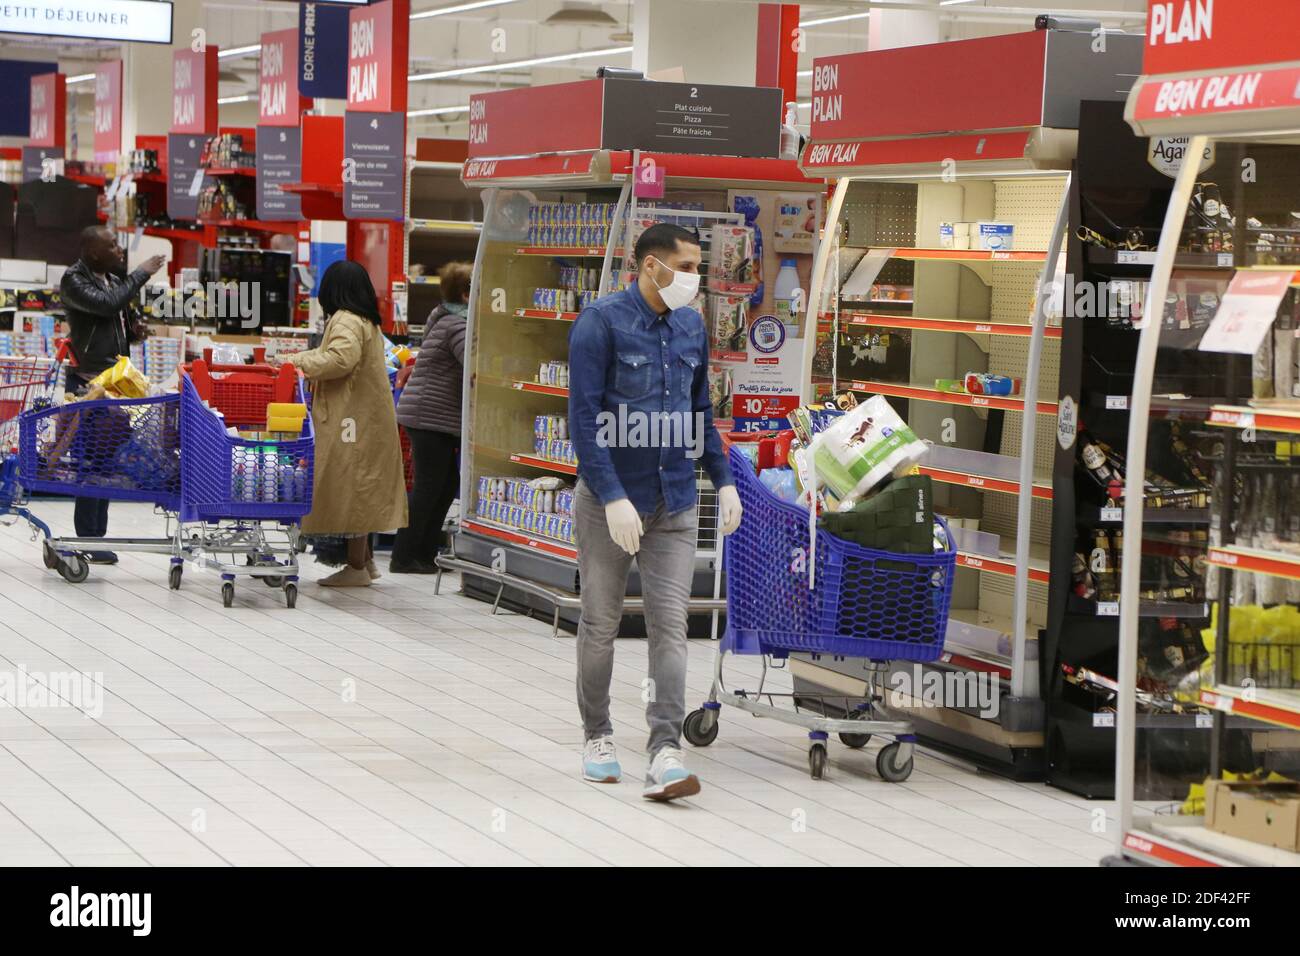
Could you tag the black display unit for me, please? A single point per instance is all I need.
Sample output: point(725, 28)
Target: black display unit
point(242, 270)
point(1118, 194)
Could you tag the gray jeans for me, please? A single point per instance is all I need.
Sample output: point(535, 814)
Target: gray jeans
point(666, 561)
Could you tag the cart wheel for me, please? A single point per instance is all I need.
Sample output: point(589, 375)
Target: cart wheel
point(290, 595)
point(174, 577)
point(75, 569)
point(49, 556)
point(698, 729)
point(856, 741)
point(273, 581)
point(227, 594)
point(887, 764)
point(817, 760)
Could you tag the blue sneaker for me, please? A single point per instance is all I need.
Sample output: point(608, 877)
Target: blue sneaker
point(600, 760)
point(667, 778)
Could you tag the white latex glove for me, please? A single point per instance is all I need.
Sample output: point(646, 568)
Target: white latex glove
point(624, 525)
point(729, 510)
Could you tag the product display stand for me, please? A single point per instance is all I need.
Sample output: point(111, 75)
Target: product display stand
point(942, 243)
point(1251, 559)
point(556, 234)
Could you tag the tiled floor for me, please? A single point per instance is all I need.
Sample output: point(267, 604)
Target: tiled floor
point(393, 726)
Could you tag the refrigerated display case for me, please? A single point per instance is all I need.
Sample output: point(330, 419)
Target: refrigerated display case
point(1235, 199)
point(947, 228)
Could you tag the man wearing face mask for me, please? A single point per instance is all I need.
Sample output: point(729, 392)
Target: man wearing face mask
point(640, 419)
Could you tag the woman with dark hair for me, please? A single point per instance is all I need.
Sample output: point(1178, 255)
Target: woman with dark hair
point(429, 410)
point(359, 487)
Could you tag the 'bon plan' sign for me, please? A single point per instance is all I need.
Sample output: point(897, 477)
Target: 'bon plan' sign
point(278, 101)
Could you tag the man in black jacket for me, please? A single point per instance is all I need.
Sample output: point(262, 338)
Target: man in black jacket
point(97, 303)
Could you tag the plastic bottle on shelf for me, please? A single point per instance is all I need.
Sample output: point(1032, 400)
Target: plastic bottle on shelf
point(790, 132)
point(785, 294)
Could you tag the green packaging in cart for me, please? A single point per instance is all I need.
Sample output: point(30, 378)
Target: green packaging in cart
point(864, 447)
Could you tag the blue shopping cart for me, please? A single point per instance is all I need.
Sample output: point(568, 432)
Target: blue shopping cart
point(114, 449)
point(242, 497)
point(26, 382)
point(875, 605)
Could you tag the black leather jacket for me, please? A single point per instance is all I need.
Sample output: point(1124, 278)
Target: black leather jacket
point(96, 323)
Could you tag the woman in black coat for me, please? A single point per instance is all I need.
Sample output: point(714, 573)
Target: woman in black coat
point(430, 409)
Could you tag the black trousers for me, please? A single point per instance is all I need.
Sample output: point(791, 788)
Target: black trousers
point(90, 517)
point(436, 463)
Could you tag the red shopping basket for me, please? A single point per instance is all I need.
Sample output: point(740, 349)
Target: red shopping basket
point(242, 392)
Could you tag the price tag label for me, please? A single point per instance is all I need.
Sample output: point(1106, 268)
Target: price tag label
point(1225, 259)
point(1112, 514)
point(1117, 401)
point(112, 189)
point(136, 237)
point(1108, 608)
point(1204, 720)
point(196, 186)
point(1103, 720)
point(1126, 257)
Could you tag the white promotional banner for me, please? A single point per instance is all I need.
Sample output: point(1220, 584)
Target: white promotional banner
point(1247, 312)
point(139, 21)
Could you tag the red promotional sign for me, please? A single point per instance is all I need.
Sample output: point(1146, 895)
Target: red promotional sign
point(278, 100)
point(987, 83)
point(1217, 93)
point(506, 123)
point(1185, 35)
point(49, 117)
point(370, 56)
point(108, 112)
point(194, 91)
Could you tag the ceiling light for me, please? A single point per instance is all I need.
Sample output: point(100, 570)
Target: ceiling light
point(519, 64)
point(579, 14)
point(439, 111)
point(240, 51)
point(237, 99)
point(839, 19)
point(79, 78)
point(949, 3)
point(460, 8)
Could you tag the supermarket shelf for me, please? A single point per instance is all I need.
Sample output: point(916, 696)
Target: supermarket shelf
point(1270, 705)
point(544, 314)
point(942, 325)
point(1146, 257)
point(86, 179)
point(574, 251)
point(1273, 563)
point(162, 232)
point(1004, 563)
point(1261, 419)
point(154, 177)
point(1176, 609)
point(515, 536)
point(304, 189)
point(556, 390)
point(1115, 515)
point(230, 171)
point(1169, 840)
point(256, 225)
point(545, 464)
point(1041, 489)
point(924, 394)
point(445, 227)
point(971, 255)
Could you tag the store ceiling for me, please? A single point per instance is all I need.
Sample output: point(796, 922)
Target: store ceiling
point(538, 29)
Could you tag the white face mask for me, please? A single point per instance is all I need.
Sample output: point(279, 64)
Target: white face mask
point(681, 291)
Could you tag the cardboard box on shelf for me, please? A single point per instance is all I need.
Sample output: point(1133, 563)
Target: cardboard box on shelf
point(1260, 811)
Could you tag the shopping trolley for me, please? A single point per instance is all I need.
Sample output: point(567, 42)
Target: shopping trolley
point(116, 449)
point(869, 604)
point(241, 497)
point(26, 383)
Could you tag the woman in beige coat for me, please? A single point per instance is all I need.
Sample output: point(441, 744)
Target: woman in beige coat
point(359, 486)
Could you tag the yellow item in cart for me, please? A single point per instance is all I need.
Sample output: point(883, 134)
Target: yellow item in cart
point(122, 380)
point(291, 425)
point(295, 410)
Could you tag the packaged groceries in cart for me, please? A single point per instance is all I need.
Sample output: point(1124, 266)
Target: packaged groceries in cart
point(838, 597)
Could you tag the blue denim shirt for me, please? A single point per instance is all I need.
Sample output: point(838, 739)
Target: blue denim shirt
point(627, 366)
